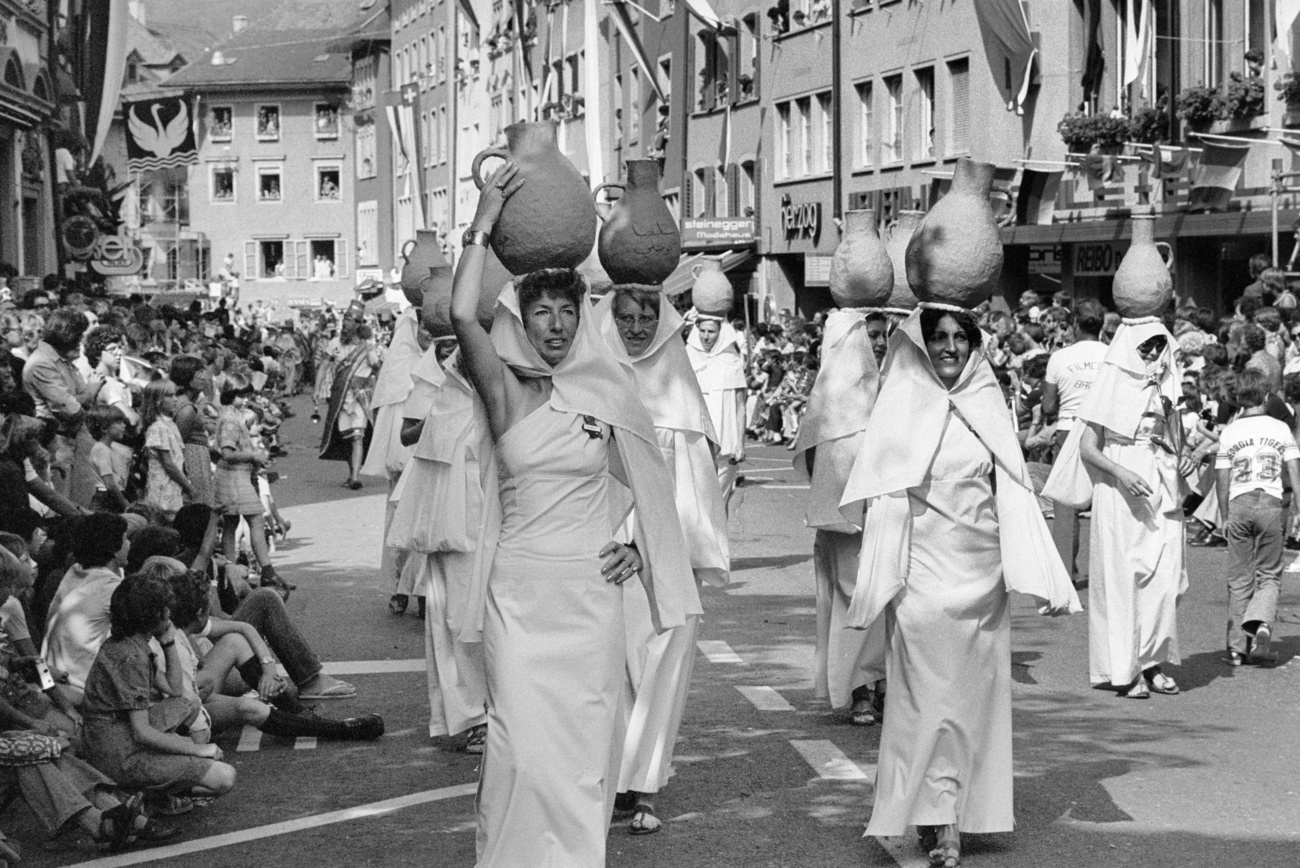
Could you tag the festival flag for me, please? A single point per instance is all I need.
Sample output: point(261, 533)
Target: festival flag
point(1166, 161)
point(1138, 42)
point(1215, 176)
point(1036, 202)
point(159, 134)
point(627, 29)
point(103, 47)
point(1100, 170)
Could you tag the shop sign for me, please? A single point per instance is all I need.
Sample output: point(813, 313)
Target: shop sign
point(717, 232)
point(817, 269)
point(1045, 259)
point(1097, 260)
point(802, 220)
point(116, 255)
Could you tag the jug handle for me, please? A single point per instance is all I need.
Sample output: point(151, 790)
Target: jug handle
point(603, 208)
point(406, 247)
point(478, 161)
point(1167, 254)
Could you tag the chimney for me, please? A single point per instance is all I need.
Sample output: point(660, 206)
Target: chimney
point(239, 23)
point(137, 10)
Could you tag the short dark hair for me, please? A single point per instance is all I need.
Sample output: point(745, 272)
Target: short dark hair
point(191, 522)
point(138, 604)
point(99, 418)
point(1253, 338)
point(1250, 388)
point(1037, 366)
point(1259, 262)
point(97, 340)
point(562, 283)
point(151, 541)
point(183, 369)
point(234, 387)
point(930, 318)
point(190, 599)
point(1215, 354)
point(1089, 316)
point(97, 538)
point(64, 328)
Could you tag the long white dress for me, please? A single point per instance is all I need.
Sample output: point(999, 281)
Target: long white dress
point(721, 375)
point(554, 644)
point(945, 747)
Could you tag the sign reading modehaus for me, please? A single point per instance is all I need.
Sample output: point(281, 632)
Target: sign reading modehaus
point(700, 232)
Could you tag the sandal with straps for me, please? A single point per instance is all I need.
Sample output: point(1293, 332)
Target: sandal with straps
point(644, 821)
point(947, 849)
point(1159, 682)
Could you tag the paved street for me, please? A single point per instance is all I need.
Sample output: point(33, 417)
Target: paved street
point(765, 776)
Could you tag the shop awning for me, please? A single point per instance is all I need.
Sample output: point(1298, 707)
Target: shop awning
point(683, 278)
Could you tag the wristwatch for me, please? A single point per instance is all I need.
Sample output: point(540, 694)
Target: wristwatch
point(474, 236)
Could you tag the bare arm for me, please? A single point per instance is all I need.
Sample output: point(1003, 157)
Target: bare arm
point(482, 364)
point(1223, 479)
point(169, 467)
point(166, 742)
point(1051, 401)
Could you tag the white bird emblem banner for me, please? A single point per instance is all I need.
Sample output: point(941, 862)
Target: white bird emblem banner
point(159, 134)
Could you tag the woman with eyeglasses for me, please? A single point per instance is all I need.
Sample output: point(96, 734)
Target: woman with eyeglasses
point(1129, 440)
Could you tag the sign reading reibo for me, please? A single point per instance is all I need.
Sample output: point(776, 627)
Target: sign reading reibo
point(801, 221)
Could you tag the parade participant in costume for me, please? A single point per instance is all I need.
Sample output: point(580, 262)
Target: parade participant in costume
point(348, 423)
point(1125, 455)
point(850, 663)
point(714, 350)
point(387, 455)
point(567, 429)
point(952, 524)
point(643, 330)
point(945, 476)
point(440, 512)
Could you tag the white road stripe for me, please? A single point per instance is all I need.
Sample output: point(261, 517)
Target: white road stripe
point(717, 651)
point(306, 742)
point(829, 761)
point(250, 738)
point(765, 698)
point(374, 809)
point(766, 487)
point(373, 667)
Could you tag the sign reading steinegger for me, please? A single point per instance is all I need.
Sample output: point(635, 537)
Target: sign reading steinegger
point(707, 232)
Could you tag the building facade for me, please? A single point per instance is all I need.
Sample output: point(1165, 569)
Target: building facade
point(27, 180)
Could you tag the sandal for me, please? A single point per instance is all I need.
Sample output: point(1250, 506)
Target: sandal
point(397, 604)
point(1136, 690)
point(947, 849)
point(172, 806)
point(928, 837)
point(477, 740)
point(338, 690)
point(1160, 682)
point(863, 712)
point(644, 821)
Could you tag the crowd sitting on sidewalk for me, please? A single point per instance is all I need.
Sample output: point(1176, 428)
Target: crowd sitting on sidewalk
point(141, 607)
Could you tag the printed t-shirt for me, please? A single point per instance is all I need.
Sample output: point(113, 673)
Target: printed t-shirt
point(1072, 370)
point(1255, 448)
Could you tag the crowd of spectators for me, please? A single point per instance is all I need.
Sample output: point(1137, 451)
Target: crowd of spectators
point(141, 608)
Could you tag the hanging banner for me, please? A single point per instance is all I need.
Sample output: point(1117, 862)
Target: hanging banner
point(159, 134)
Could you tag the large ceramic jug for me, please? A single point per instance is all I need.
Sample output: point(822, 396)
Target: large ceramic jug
point(861, 273)
point(435, 308)
point(423, 253)
point(550, 221)
point(900, 232)
point(639, 242)
point(955, 255)
point(1143, 286)
point(711, 292)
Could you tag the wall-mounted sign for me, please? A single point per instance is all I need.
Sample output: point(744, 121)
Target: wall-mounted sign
point(800, 219)
point(699, 232)
point(817, 269)
point(116, 255)
point(1097, 260)
point(1045, 259)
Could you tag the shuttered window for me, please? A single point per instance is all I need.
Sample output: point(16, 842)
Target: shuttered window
point(959, 107)
point(251, 271)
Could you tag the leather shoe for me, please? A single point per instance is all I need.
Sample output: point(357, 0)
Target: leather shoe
point(367, 727)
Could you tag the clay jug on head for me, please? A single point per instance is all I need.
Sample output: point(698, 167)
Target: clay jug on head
point(550, 221)
point(862, 274)
point(639, 241)
point(955, 255)
point(435, 306)
point(711, 292)
point(1143, 286)
point(900, 232)
point(422, 254)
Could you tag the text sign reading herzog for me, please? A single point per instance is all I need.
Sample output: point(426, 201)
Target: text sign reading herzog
point(802, 220)
point(717, 232)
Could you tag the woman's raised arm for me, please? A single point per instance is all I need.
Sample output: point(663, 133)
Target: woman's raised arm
point(482, 364)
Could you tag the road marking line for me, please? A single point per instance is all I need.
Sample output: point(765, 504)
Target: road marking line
point(903, 850)
point(766, 487)
point(373, 667)
point(829, 761)
point(765, 698)
point(250, 738)
point(717, 651)
point(306, 742)
point(373, 809)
